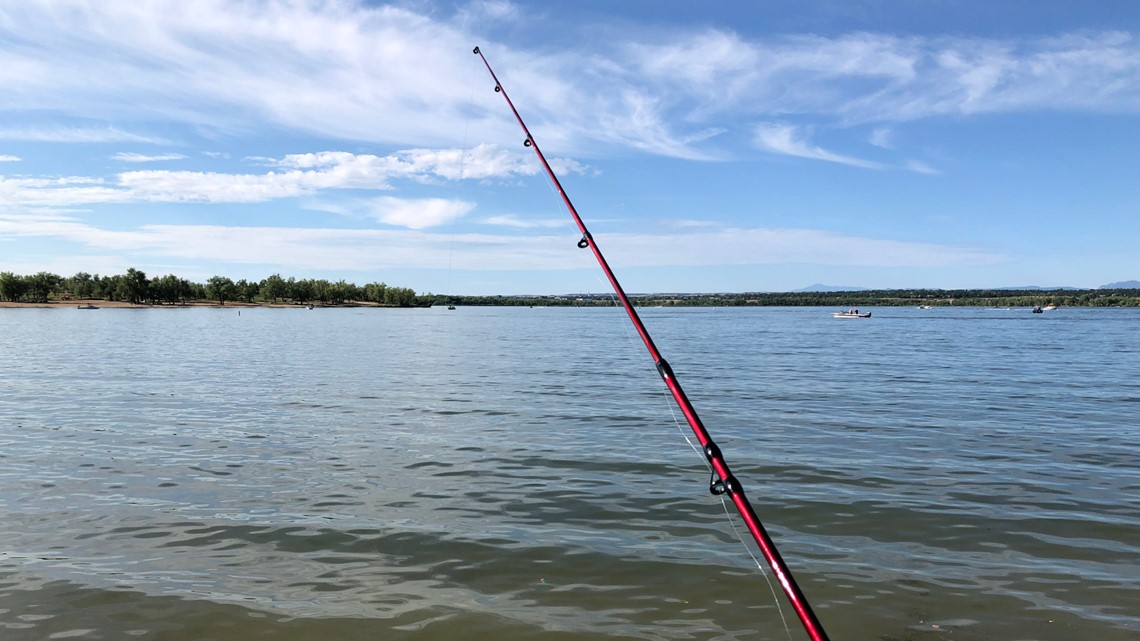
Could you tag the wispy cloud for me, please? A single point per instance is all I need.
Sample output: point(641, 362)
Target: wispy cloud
point(868, 77)
point(695, 224)
point(755, 246)
point(64, 133)
point(482, 11)
point(791, 140)
point(292, 176)
point(127, 156)
point(418, 213)
point(788, 139)
point(480, 162)
point(360, 249)
point(881, 137)
point(8, 158)
point(396, 75)
point(920, 167)
point(517, 222)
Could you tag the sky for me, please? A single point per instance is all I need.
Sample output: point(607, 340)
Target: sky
point(715, 146)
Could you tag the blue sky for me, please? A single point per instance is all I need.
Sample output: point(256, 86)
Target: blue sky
point(710, 146)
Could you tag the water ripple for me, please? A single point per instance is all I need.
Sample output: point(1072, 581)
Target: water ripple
point(958, 475)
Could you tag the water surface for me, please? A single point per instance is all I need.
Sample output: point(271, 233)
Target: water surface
point(517, 473)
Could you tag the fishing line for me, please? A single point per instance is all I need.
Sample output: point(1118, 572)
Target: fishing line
point(628, 331)
point(759, 566)
point(631, 345)
point(463, 189)
point(723, 482)
point(723, 503)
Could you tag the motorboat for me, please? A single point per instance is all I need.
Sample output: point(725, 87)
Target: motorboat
point(851, 313)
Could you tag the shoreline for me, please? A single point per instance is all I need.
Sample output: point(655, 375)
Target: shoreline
point(108, 304)
point(666, 303)
point(845, 299)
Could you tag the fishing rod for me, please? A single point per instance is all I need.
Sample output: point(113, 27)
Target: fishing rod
point(726, 483)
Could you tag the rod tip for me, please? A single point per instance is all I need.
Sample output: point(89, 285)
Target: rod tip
point(475, 51)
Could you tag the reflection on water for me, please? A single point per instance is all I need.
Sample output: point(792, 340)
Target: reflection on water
point(517, 473)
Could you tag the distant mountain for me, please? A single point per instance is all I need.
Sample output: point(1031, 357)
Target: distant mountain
point(1036, 287)
point(819, 287)
point(1124, 284)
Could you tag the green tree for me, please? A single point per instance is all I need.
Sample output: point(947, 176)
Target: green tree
point(349, 291)
point(156, 290)
point(221, 289)
point(301, 291)
point(43, 285)
point(12, 287)
point(374, 292)
point(340, 291)
point(246, 290)
point(273, 288)
point(105, 287)
point(166, 289)
point(135, 287)
point(399, 296)
point(187, 290)
point(322, 290)
point(81, 285)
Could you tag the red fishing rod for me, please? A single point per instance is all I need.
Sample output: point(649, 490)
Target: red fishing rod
point(727, 483)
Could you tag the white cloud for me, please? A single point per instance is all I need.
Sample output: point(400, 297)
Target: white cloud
point(336, 68)
point(419, 213)
point(126, 156)
point(361, 249)
point(753, 246)
point(920, 167)
point(403, 75)
point(299, 175)
point(792, 141)
point(484, 11)
point(57, 192)
point(787, 139)
point(482, 161)
point(716, 76)
point(705, 59)
point(8, 158)
point(511, 220)
point(881, 137)
point(64, 133)
point(213, 187)
point(692, 224)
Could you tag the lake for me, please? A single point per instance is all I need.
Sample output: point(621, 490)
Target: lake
point(519, 473)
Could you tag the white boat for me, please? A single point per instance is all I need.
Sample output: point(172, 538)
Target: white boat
point(851, 313)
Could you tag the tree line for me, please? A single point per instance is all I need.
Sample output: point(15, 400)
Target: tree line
point(860, 298)
point(134, 287)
